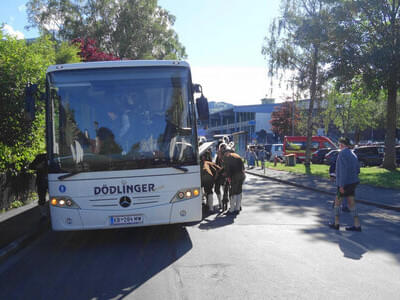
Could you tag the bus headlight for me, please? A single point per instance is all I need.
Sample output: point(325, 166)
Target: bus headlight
point(186, 194)
point(64, 201)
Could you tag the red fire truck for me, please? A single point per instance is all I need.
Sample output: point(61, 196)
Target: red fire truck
point(297, 145)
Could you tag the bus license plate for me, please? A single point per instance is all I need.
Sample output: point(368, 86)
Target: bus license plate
point(121, 220)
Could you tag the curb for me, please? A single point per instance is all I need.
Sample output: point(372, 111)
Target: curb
point(366, 202)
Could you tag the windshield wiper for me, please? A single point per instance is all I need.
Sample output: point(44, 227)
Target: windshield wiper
point(178, 167)
point(62, 177)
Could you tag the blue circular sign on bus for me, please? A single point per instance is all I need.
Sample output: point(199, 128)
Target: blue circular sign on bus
point(62, 188)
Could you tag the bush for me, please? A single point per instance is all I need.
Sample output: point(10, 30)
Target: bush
point(16, 204)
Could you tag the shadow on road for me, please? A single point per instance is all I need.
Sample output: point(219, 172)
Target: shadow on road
point(216, 219)
point(381, 228)
point(350, 248)
point(94, 264)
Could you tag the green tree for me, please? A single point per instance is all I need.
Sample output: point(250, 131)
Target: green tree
point(368, 43)
point(350, 112)
point(20, 64)
point(67, 53)
point(298, 41)
point(128, 29)
point(301, 125)
point(354, 110)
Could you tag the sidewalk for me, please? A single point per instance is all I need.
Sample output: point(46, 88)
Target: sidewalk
point(366, 194)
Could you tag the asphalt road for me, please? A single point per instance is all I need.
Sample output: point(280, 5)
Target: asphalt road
point(279, 247)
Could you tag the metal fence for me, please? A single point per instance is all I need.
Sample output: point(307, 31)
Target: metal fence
point(16, 188)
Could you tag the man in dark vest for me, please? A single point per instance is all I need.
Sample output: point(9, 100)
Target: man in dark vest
point(208, 175)
point(40, 166)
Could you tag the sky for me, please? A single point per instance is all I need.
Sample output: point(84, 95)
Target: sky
point(223, 40)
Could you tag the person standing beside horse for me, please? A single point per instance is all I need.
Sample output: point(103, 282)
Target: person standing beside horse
point(252, 158)
point(220, 180)
point(208, 176)
point(234, 172)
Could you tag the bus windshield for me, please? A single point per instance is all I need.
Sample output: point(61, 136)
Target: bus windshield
point(120, 119)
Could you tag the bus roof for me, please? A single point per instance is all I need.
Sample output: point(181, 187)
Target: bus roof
point(117, 64)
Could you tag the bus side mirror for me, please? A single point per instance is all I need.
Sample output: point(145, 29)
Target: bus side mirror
point(197, 88)
point(30, 91)
point(201, 103)
point(202, 108)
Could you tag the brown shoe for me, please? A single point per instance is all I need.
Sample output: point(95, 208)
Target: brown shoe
point(354, 228)
point(334, 226)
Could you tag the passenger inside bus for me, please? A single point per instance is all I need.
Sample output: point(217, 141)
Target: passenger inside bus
point(151, 124)
point(105, 142)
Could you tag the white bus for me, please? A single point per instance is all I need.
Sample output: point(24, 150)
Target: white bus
point(122, 145)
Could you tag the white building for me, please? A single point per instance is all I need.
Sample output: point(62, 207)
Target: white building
point(252, 121)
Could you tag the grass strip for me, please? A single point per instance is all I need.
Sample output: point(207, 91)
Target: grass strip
point(374, 176)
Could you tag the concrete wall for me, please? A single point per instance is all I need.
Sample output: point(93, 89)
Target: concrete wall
point(23, 187)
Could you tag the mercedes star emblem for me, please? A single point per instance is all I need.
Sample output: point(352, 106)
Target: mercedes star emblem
point(125, 201)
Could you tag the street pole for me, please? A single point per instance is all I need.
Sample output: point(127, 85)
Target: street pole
point(292, 82)
point(293, 115)
point(292, 108)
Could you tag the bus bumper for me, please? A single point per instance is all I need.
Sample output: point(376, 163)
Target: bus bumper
point(66, 219)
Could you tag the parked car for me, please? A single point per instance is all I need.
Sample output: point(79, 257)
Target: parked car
point(370, 155)
point(318, 156)
point(331, 156)
point(274, 150)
